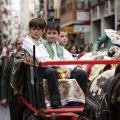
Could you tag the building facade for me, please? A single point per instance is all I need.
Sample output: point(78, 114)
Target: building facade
point(15, 25)
point(34, 9)
point(104, 15)
point(0, 25)
point(5, 21)
point(76, 20)
point(85, 20)
point(53, 11)
point(24, 16)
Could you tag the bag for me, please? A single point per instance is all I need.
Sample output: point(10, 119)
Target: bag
point(102, 95)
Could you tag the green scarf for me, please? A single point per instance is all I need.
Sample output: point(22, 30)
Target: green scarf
point(50, 50)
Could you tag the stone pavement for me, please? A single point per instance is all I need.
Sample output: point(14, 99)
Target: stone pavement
point(4, 113)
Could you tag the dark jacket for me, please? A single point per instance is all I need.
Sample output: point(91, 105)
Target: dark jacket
point(117, 70)
point(6, 90)
point(102, 39)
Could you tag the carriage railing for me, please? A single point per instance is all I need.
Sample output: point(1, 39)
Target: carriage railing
point(74, 62)
point(33, 80)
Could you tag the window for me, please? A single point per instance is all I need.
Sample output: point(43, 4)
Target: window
point(69, 7)
point(63, 4)
point(62, 11)
point(66, 6)
point(63, 7)
point(79, 4)
point(69, 1)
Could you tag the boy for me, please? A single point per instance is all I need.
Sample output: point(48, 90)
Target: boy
point(63, 37)
point(52, 50)
point(36, 27)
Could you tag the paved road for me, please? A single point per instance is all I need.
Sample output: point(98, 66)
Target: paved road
point(4, 113)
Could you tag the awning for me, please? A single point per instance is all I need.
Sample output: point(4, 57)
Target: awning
point(70, 30)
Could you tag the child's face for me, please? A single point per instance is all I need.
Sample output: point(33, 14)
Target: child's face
point(73, 50)
point(35, 32)
point(10, 48)
point(52, 35)
point(63, 38)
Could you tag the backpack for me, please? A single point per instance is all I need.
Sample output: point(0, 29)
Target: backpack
point(102, 97)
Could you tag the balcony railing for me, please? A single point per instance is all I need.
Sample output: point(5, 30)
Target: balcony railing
point(96, 2)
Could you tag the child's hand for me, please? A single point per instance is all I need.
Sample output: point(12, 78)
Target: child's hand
point(117, 55)
point(94, 53)
point(68, 73)
point(113, 49)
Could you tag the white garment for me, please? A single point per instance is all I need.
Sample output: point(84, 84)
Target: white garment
point(4, 50)
point(66, 55)
point(28, 46)
point(89, 56)
point(114, 38)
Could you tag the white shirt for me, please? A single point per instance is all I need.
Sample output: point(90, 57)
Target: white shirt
point(114, 37)
point(28, 46)
point(4, 50)
point(66, 55)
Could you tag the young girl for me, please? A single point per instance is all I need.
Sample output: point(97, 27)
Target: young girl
point(73, 49)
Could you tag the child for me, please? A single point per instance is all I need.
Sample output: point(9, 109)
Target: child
point(63, 40)
point(52, 50)
point(73, 49)
point(36, 27)
point(63, 37)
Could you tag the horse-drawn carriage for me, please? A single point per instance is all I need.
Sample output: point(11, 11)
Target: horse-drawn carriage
point(34, 97)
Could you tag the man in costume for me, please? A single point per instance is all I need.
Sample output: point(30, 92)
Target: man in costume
point(11, 85)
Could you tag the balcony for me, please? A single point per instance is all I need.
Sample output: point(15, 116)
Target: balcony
point(87, 4)
point(96, 2)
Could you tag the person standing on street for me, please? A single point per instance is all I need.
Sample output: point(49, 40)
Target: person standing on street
point(10, 90)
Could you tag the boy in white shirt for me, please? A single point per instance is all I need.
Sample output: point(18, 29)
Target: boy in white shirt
point(63, 37)
point(36, 27)
point(52, 50)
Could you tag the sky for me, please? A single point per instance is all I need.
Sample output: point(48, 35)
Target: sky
point(16, 5)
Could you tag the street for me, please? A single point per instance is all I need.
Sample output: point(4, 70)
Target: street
point(4, 113)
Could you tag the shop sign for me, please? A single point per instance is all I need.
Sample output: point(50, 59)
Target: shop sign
point(82, 28)
point(83, 16)
point(69, 30)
